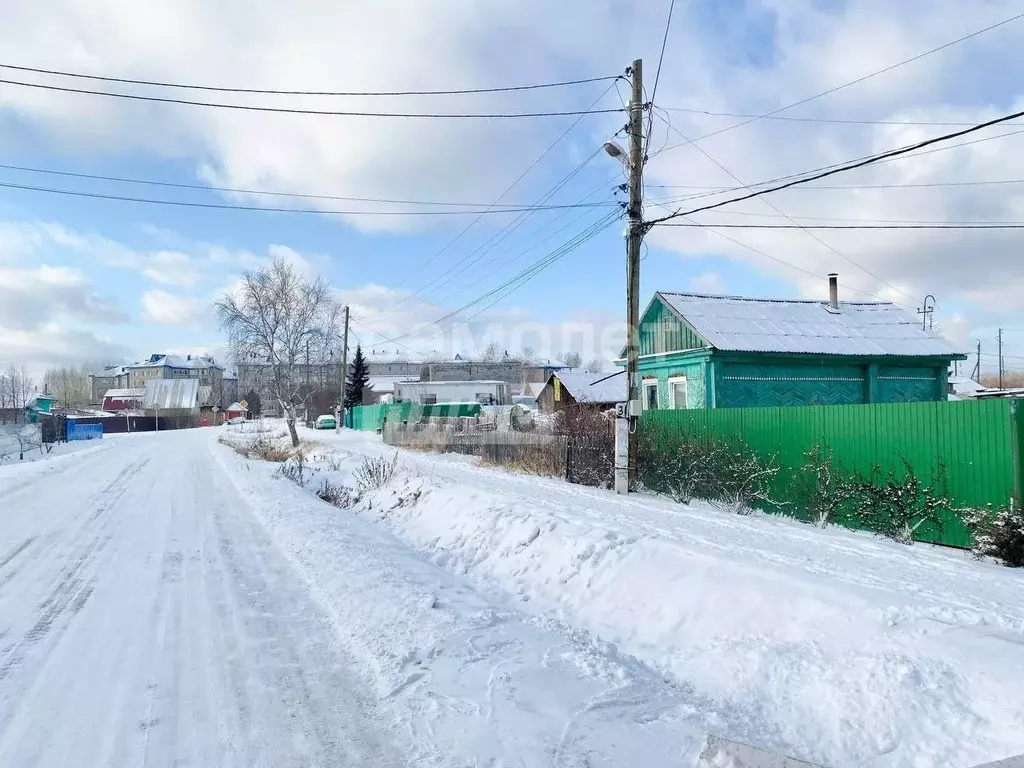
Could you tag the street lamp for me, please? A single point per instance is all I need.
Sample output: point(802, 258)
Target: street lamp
point(614, 150)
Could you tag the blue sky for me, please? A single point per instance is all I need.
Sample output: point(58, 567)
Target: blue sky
point(85, 279)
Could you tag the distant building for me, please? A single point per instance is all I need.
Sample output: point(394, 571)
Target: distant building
point(111, 377)
point(259, 377)
point(431, 392)
point(161, 366)
point(116, 400)
point(578, 388)
point(234, 411)
point(230, 393)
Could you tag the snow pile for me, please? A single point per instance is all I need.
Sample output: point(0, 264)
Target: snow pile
point(833, 646)
point(468, 682)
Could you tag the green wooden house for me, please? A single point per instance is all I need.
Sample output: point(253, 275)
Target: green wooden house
point(704, 351)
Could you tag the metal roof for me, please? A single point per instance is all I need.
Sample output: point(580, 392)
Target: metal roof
point(740, 324)
point(190, 362)
point(594, 387)
point(125, 394)
point(171, 393)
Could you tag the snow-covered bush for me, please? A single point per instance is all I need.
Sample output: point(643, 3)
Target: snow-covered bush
point(376, 472)
point(295, 468)
point(337, 494)
point(821, 487)
point(998, 534)
point(895, 505)
point(713, 470)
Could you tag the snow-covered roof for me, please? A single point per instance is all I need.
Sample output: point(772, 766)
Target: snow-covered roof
point(171, 393)
point(236, 406)
point(740, 324)
point(533, 389)
point(964, 386)
point(125, 394)
point(452, 383)
point(176, 361)
point(384, 384)
point(594, 387)
point(110, 371)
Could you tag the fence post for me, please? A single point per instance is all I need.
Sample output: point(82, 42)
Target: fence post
point(1016, 439)
point(568, 454)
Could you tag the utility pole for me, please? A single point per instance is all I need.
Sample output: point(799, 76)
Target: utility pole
point(977, 365)
point(626, 470)
point(339, 413)
point(1000, 358)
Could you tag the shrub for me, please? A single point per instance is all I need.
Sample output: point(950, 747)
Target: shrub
point(337, 494)
point(821, 487)
point(897, 506)
point(376, 472)
point(295, 468)
point(998, 534)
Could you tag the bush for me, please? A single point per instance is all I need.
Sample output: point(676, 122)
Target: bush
point(713, 470)
point(337, 494)
point(998, 534)
point(821, 487)
point(897, 506)
point(295, 468)
point(376, 472)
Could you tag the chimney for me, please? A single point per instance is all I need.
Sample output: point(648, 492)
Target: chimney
point(833, 291)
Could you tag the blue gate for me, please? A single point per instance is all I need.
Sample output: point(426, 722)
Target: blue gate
point(84, 431)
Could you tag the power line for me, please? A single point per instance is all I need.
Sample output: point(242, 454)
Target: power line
point(840, 121)
point(276, 92)
point(810, 187)
point(657, 75)
point(235, 190)
point(509, 286)
point(510, 187)
point(297, 111)
point(854, 82)
point(805, 227)
point(796, 224)
point(849, 167)
point(268, 209)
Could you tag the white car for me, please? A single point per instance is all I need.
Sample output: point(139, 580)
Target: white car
point(236, 420)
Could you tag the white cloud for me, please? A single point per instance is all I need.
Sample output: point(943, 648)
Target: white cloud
point(708, 282)
point(171, 268)
point(168, 309)
point(752, 58)
point(32, 297)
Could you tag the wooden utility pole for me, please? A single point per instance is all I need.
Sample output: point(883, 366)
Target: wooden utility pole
point(636, 236)
point(1000, 358)
point(977, 365)
point(340, 417)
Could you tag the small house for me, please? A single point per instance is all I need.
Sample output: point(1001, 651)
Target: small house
point(116, 400)
point(569, 388)
point(709, 351)
point(235, 411)
point(38, 405)
point(485, 392)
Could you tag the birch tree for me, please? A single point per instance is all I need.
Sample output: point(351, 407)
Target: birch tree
point(287, 322)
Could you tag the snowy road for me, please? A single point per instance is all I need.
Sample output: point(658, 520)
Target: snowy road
point(147, 620)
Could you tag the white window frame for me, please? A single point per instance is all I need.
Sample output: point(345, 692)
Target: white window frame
point(646, 386)
point(672, 381)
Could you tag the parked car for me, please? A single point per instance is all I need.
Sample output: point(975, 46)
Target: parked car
point(236, 420)
point(325, 422)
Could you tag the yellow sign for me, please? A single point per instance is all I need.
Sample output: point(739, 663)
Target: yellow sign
point(244, 404)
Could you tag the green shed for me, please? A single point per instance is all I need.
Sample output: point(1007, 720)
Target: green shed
point(707, 351)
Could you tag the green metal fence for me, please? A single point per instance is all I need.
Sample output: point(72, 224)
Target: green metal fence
point(370, 418)
point(979, 444)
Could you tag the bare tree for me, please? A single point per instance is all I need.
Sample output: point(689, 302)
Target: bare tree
point(573, 359)
point(492, 354)
point(528, 355)
point(595, 366)
point(69, 385)
point(282, 320)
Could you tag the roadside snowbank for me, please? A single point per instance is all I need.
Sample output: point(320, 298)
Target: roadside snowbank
point(829, 645)
point(469, 683)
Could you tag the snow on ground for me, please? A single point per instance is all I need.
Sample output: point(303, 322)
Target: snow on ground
point(164, 602)
point(831, 645)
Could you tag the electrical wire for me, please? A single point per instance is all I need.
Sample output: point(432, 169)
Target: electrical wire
point(1019, 225)
point(238, 191)
point(910, 185)
point(657, 75)
point(508, 189)
point(796, 224)
point(848, 167)
point(861, 79)
point(268, 91)
point(839, 121)
point(297, 111)
point(268, 209)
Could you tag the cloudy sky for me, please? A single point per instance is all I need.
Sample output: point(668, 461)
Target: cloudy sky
point(86, 278)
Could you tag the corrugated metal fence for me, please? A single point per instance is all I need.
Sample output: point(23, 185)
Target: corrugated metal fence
point(371, 418)
point(78, 431)
point(977, 443)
